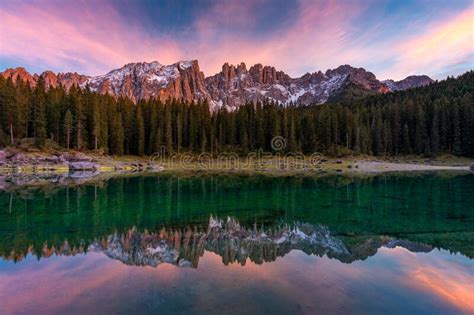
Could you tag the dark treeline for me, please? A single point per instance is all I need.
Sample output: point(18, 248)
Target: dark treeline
point(425, 121)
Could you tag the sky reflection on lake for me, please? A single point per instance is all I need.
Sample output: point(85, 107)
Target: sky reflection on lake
point(394, 280)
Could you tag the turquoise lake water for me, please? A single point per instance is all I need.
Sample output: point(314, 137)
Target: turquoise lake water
point(223, 244)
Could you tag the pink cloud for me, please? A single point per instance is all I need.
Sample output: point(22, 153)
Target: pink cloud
point(444, 42)
point(61, 37)
point(319, 30)
point(86, 38)
point(228, 15)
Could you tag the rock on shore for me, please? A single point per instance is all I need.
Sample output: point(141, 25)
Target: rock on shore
point(17, 160)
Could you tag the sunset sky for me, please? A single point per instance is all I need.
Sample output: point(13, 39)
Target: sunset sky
point(393, 39)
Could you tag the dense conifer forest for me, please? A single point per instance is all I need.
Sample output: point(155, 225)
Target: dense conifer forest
point(427, 121)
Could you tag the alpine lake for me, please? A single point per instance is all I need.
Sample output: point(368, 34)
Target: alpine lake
point(227, 244)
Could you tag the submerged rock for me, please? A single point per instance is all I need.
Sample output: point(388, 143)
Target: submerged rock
point(82, 174)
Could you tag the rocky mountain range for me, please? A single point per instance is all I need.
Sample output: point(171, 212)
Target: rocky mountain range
point(51, 79)
point(233, 242)
point(231, 87)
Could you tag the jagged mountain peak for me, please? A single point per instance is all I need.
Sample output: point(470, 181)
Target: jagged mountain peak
point(343, 69)
point(16, 70)
point(348, 71)
point(20, 73)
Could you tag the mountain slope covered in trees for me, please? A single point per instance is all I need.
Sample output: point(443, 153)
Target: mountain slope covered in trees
point(429, 120)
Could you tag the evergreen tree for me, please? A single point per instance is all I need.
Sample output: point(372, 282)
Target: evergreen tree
point(435, 132)
point(456, 131)
point(406, 140)
point(68, 121)
point(96, 122)
point(9, 105)
point(116, 134)
point(140, 132)
point(39, 113)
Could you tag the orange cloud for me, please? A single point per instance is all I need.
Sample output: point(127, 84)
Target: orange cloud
point(446, 42)
point(444, 277)
point(458, 291)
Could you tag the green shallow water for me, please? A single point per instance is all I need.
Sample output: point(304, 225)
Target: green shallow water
point(228, 244)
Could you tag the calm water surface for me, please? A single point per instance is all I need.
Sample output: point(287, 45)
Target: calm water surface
point(220, 244)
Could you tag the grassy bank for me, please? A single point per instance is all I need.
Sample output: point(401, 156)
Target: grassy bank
point(59, 162)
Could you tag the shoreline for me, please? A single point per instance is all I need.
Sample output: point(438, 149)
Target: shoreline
point(14, 161)
point(381, 167)
point(357, 167)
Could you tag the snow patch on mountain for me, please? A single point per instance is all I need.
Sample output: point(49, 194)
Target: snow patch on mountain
point(296, 96)
point(281, 88)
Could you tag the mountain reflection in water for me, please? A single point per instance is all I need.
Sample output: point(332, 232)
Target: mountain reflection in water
point(239, 245)
point(232, 242)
